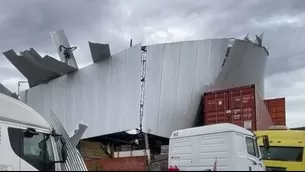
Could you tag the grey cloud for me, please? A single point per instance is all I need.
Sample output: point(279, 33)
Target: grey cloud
point(295, 106)
point(286, 63)
point(28, 23)
point(7, 72)
point(288, 85)
point(285, 84)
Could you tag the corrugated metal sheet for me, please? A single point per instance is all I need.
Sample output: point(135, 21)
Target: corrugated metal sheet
point(36, 69)
point(244, 66)
point(78, 133)
point(105, 94)
point(74, 161)
point(176, 76)
point(60, 39)
point(99, 51)
point(48, 62)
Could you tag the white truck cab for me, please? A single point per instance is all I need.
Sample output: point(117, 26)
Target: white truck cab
point(219, 147)
point(27, 141)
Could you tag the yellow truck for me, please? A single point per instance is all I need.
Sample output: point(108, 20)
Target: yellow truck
point(286, 150)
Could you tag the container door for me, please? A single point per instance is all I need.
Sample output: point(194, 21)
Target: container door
point(277, 112)
point(216, 108)
point(242, 103)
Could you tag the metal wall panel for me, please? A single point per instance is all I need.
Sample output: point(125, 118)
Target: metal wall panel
point(244, 66)
point(105, 94)
point(176, 76)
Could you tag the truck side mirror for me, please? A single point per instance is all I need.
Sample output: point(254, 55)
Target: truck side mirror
point(266, 142)
point(30, 132)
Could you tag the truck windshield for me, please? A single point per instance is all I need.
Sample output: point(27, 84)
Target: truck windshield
point(35, 150)
point(38, 150)
point(279, 153)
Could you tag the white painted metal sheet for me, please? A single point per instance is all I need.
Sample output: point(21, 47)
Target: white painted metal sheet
point(105, 94)
point(177, 74)
point(60, 39)
point(244, 66)
point(74, 161)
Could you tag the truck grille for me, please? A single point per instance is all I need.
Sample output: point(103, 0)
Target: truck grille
point(275, 168)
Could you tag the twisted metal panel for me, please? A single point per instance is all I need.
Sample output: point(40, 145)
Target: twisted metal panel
point(244, 66)
point(74, 161)
point(178, 74)
point(105, 94)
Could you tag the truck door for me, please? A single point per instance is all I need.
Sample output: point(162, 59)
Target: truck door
point(29, 150)
point(17, 142)
point(255, 164)
point(9, 148)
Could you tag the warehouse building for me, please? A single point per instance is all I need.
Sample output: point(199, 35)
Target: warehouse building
point(134, 99)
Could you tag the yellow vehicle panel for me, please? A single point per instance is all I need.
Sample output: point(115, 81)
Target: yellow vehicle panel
point(286, 150)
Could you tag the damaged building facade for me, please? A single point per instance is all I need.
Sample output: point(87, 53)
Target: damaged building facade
point(153, 89)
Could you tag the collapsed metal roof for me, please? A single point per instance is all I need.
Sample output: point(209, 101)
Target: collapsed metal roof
point(166, 80)
point(36, 69)
point(99, 51)
point(109, 90)
point(39, 70)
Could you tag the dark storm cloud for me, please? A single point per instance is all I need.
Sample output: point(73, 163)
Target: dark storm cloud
point(285, 63)
point(284, 40)
point(28, 23)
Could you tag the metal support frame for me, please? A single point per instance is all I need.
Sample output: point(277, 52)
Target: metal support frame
point(20, 82)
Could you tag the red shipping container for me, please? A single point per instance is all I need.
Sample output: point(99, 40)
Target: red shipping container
point(241, 106)
point(277, 110)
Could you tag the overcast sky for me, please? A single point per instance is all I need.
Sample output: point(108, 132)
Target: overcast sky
point(25, 24)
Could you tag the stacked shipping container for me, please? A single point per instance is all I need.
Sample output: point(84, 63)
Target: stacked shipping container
point(241, 106)
point(277, 110)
